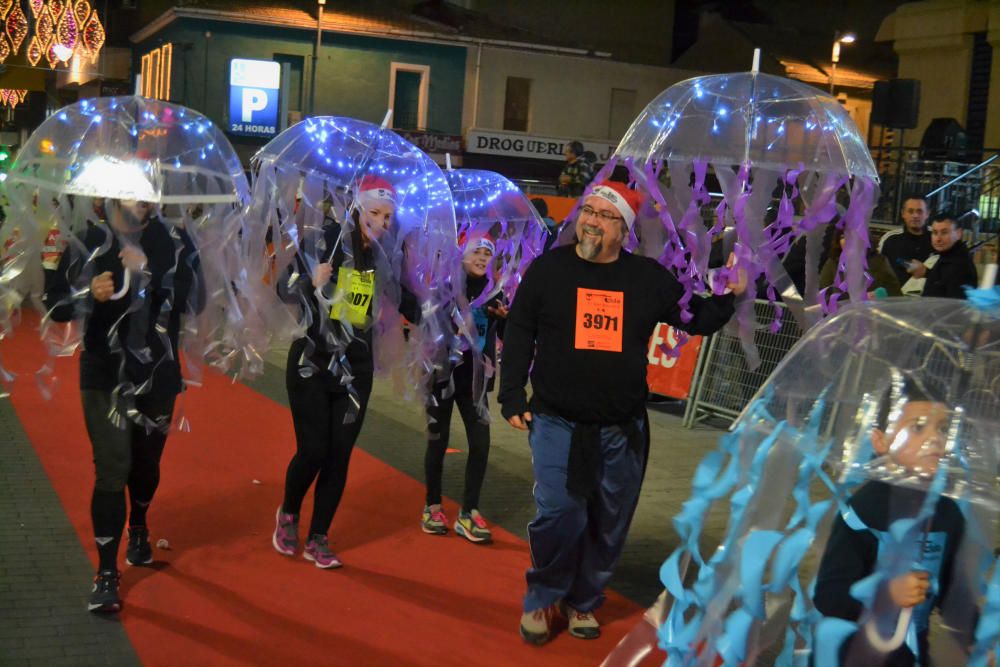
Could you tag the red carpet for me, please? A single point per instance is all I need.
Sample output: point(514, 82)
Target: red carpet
point(222, 596)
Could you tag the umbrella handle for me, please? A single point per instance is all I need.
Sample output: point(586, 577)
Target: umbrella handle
point(892, 643)
point(125, 285)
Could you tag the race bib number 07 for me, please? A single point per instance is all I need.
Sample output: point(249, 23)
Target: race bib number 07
point(353, 296)
point(599, 316)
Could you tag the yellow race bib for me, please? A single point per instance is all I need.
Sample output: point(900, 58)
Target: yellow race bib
point(353, 297)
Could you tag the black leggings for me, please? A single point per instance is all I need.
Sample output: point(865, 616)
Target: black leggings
point(323, 444)
point(438, 432)
point(123, 457)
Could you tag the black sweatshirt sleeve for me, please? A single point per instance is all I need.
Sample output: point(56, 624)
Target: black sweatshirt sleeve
point(849, 557)
point(709, 313)
point(519, 346)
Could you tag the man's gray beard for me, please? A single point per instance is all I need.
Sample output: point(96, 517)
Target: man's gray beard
point(590, 249)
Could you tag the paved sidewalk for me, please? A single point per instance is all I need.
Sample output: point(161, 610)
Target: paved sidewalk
point(44, 572)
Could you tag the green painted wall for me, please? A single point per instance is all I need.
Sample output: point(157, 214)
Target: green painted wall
point(352, 77)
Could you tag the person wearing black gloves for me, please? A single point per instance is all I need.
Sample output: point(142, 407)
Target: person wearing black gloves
point(327, 396)
point(583, 316)
point(465, 390)
point(142, 278)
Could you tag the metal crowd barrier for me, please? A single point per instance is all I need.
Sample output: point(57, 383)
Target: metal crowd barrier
point(723, 384)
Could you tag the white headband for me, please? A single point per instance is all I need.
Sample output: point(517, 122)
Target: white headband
point(615, 199)
point(481, 242)
point(376, 194)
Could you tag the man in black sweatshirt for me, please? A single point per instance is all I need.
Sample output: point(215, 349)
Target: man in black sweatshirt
point(132, 279)
point(908, 248)
point(583, 315)
point(954, 269)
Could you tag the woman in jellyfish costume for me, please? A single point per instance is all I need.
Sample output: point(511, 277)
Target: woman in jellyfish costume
point(360, 231)
point(500, 233)
point(127, 215)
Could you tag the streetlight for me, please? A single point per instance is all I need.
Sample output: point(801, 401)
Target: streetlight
point(838, 39)
point(315, 63)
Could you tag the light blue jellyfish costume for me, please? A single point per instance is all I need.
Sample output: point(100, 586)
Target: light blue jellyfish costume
point(796, 459)
point(789, 162)
point(309, 178)
point(90, 156)
point(489, 205)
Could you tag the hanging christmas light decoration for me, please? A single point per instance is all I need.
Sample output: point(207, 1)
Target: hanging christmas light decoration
point(17, 27)
point(68, 32)
point(12, 97)
point(81, 10)
point(45, 28)
point(62, 29)
point(34, 52)
point(93, 36)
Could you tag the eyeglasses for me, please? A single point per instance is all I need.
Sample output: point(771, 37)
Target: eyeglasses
point(604, 216)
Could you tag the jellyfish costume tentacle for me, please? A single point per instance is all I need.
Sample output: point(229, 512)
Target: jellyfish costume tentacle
point(91, 171)
point(781, 153)
point(876, 435)
point(489, 206)
point(313, 184)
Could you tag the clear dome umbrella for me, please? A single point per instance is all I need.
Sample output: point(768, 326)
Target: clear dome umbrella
point(100, 155)
point(789, 161)
point(488, 206)
point(882, 420)
point(316, 188)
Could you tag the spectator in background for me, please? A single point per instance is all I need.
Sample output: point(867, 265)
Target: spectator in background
point(954, 269)
point(577, 172)
point(551, 226)
point(908, 248)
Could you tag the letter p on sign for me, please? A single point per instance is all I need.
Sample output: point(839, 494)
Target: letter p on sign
point(254, 99)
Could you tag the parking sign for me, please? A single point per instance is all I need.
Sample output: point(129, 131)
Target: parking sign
point(253, 97)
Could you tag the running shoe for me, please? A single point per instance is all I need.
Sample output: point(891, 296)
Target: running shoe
point(138, 551)
point(536, 625)
point(434, 522)
point(582, 624)
point(286, 533)
point(104, 596)
point(472, 526)
point(318, 551)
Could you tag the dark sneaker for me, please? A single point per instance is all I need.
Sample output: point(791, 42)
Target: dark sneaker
point(104, 596)
point(138, 551)
point(582, 624)
point(434, 521)
point(318, 551)
point(286, 533)
point(536, 625)
point(472, 526)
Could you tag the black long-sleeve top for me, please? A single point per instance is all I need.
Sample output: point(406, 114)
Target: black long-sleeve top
point(172, 265)
point(590, 385)
point(852, 555)
point(313, 348)
point(901, 246)
point(953, 270)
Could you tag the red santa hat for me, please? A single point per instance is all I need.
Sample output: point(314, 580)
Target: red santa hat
point(621, 197)
point(374, 189)
point(471, 244)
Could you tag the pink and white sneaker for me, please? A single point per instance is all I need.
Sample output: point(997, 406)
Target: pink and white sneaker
point(318, 551)
point(286, 533)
